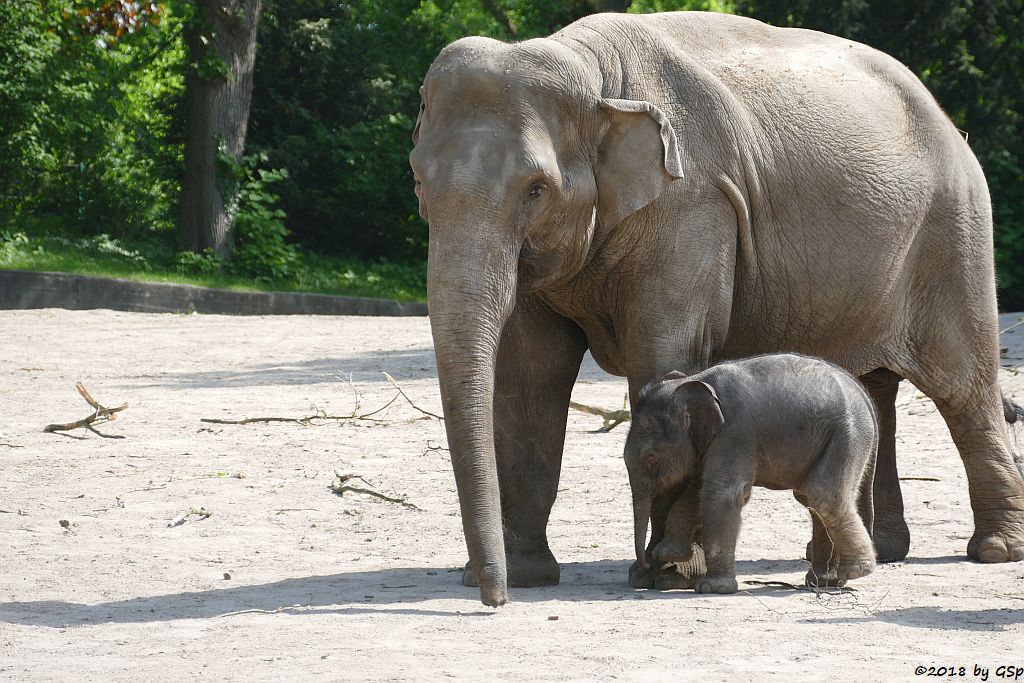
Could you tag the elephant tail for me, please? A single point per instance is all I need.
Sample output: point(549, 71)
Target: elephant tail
point(1014, 414)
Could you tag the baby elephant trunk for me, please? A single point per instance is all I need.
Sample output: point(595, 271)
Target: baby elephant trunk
point(641, 515)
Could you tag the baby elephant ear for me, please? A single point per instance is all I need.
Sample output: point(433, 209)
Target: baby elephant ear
point(638, 158)
point(699, 401)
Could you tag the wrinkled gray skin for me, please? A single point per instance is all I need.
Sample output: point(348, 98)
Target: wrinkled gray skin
point(780, 421)
point(674, 190)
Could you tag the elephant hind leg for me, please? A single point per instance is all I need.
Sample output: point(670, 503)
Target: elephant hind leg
point(841, 547)
point(889, 530)
point(979, 430)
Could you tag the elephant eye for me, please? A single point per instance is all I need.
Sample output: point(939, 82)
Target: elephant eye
point(649, 458)
point(536, 190)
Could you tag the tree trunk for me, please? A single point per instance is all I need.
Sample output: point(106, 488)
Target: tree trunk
point(221, 42)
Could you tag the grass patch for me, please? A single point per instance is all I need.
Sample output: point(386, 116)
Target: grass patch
point(154, 260)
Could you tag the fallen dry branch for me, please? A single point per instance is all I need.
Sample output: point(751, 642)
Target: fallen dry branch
point(409, 400)
point(321, 416)
point(340, 486)
point(318, 416)
point(100, 415)
point(262, 611)
point(612, 418)
point(1019, 322)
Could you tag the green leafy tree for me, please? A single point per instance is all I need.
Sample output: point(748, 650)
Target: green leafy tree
point(87, 134)
point(337, 88)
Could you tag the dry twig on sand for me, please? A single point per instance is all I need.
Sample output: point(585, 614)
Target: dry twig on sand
point(340, 485)
point(1013, 326)
point(320, 416)
point(262, 611)
point(201, 513)
point(612, 418)
point(100, 415)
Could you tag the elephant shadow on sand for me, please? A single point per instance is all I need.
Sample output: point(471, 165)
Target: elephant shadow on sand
point(410, 591)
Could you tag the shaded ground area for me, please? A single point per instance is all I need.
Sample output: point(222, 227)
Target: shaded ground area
point(286, 579)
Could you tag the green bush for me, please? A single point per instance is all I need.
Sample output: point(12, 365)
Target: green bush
point(261, 251)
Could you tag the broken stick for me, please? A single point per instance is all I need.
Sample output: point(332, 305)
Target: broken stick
point(612, 418)
point(201, 513)
point(340, 485)
point(100, 415)
point(320, 416)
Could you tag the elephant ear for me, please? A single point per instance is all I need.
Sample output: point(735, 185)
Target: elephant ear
point(638, 158)
point(701, 410)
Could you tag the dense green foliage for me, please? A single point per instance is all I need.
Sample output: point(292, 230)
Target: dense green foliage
point(91, 127)
point(89, 139)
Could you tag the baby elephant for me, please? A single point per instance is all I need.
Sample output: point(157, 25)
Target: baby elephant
point(780, 421)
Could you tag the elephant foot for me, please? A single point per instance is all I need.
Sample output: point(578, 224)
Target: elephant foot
point(667, 551)
point(525, 570)
point(641, 576)
point(716, 584)
point(891, 543)
point(997, 546)
point(670, 578)
point(854, 569)
point(826, 579)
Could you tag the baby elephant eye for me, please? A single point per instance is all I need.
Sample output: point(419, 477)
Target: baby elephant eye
point(649, 458)
point(536, 190)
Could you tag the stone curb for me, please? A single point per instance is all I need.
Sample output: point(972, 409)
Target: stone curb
point(27, 289)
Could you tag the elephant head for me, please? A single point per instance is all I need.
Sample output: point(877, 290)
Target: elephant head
point(672, 427)
point(519, 162)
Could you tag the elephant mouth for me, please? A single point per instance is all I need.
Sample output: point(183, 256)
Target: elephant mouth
point(537, 269)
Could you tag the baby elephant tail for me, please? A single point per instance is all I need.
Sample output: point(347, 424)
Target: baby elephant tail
point(1014, 415)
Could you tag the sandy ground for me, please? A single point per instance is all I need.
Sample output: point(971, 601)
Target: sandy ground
point(288, 581)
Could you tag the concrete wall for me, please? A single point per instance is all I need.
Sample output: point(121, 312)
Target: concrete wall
point(24, 289)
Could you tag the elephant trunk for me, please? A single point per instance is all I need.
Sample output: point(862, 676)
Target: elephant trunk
point(641, 516)
point(471, 291)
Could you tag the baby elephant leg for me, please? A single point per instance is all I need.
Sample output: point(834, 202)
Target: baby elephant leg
point(679, 549)
point(820, 551)
point(823, 556)
point(853, 554)
point(721, 516)
point(682, 521)
point(832, 492)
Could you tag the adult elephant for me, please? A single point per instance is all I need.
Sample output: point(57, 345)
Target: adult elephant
point(675, 189)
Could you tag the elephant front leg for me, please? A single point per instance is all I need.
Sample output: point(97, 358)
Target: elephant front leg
point(889, 533)
point(675, 558)
point(721, 507)
point(679, 553)
point(538, 360)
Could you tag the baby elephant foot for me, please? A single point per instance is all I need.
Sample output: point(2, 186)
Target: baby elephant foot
point(823, 579)
point(854, 569)
point(671, 578)
point(716, 584)
point(641, 576)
